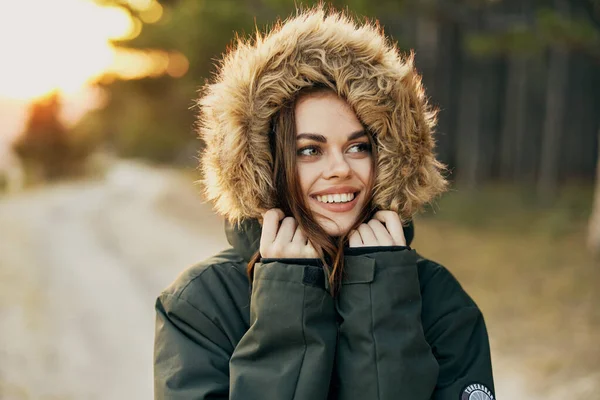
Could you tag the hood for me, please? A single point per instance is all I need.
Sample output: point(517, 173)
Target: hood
point(245, 236)
point(256, 77)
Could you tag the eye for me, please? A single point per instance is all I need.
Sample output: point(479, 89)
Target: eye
point(308, 151)
point(362, 147)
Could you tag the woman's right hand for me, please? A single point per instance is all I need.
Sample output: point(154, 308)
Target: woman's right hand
point(283, 241)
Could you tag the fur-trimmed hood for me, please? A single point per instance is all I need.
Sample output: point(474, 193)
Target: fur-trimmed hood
point(256, 77)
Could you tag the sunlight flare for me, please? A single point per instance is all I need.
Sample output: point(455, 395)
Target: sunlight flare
point(64, 45)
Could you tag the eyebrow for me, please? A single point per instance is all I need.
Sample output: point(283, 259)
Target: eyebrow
point(322, 139)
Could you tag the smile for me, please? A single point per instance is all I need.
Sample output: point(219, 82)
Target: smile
point(335, 198)
point(342, 202)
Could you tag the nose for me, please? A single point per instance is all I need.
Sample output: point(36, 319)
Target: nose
point(337, 167)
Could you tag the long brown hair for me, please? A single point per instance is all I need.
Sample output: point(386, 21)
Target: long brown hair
point(289, 194)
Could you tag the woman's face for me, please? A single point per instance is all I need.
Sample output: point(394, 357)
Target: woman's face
point(333, 159)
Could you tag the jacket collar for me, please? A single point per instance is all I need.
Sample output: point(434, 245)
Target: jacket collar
point(245, 238)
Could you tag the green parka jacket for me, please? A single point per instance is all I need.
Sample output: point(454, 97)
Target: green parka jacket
point(400, 328)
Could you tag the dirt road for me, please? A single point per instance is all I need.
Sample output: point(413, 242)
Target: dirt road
point(80, 267)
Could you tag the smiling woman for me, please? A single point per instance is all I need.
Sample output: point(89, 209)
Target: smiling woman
point(319, 150)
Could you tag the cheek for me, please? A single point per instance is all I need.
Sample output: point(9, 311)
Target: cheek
point(363, 169)
point(306, 176)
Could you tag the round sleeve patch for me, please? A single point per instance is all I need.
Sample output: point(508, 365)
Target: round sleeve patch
point(476, 391)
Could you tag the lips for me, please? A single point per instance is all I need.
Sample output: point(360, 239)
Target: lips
point(336, 190)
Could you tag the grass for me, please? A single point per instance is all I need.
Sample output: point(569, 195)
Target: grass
point(528, 269)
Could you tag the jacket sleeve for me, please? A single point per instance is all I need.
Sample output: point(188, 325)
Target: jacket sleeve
point(428, 339)
point(191, 356)
point(382, 351)
point(287, 353)
point(289, 349)
point(455, 328)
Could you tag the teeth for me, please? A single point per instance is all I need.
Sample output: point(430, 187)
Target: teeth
point(336, 198)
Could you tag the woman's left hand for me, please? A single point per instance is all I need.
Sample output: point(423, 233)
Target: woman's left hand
point(375, 233)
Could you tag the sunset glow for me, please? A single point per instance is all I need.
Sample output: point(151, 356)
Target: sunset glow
point(64, 45)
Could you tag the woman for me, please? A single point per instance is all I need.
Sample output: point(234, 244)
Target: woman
point(318, 145)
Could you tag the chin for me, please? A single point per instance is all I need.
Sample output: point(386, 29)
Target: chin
point(335, 224)
point(335, 228)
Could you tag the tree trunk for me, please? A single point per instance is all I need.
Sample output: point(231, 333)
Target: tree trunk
point(447, 87)
point(426, 46)
point(469, 125)
point(469, 115)
point(547, 186)
point(594, 222)
point(514, 129)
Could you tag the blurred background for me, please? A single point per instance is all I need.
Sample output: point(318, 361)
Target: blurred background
point(99, 210)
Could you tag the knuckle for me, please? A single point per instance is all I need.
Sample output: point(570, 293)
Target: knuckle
point(373, 222)
point(386, 214)
point(274, 213)
point(270, 215)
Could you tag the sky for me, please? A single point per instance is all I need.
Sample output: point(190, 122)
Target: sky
point(65, 46)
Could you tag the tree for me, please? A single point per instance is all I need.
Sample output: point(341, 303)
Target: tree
point(44, 144)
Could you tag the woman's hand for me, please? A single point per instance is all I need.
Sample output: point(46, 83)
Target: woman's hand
point(283, 241)
point(375, 233)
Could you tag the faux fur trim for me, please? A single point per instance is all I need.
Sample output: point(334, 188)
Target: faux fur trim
point(257, 76)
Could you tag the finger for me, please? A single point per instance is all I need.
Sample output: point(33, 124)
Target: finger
point(299, 236)
point(381, 234)
point(286, 231)
point(367, 235)
point(393, 225)
point(271, 225)
point(354, 239)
